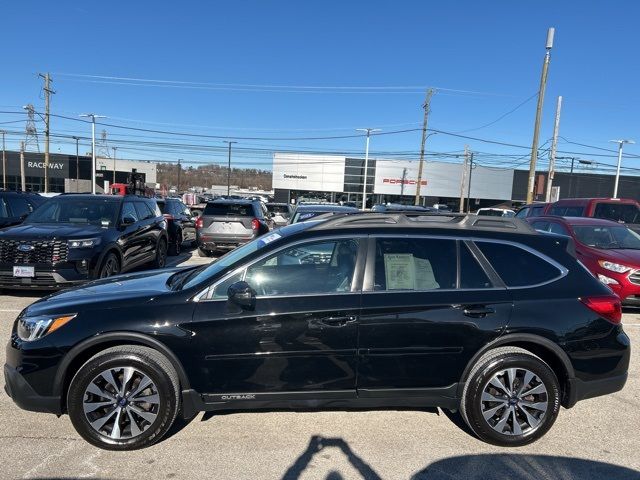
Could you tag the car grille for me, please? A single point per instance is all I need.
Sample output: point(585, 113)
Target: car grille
point(635, 277)
point(47, 252)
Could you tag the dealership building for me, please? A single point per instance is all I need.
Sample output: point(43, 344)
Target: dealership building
point(68, 174)
point(300, 176)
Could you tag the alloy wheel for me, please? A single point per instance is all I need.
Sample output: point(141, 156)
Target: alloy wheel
point(514, 401)
point(121, 403)
point(110, 267)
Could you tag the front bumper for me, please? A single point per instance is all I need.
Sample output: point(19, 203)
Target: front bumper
point(25, 397)
point(47, 277)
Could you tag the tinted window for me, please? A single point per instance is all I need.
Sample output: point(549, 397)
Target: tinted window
point(164, 207)
point(541, 226)
point(627, 213)
point(278, 209)
point(220, 290)
point(559, 229)
point(564, 211)
point(471, 273)
point(144, 212)
point(516, 266)
point(229, 209)
point(18, 206)
point(128, 210)
point(4, 213)
point(322, 267)
point(522, 212)
point(607, 237)
point(94, 211)
point(536, 211)
point(415, 264)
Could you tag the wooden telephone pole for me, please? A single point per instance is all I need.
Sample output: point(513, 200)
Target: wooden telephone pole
point(426, 106)
point(47, 100)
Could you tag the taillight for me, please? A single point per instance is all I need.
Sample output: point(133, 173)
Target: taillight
point(168, 216)
point(607, 306)
point(199, 222)
point(255, 224)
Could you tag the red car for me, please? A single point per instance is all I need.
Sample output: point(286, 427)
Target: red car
point(609, 250)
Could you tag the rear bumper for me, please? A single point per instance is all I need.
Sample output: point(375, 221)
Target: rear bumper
point(581, 390)
point(221, 242)
point(25, 397)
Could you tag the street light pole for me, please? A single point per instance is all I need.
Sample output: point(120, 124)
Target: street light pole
point(620, 143)
point(366, 164)
point(229, 167)
point(93, 117)
point(114, 164)
point(4, 162)
point(77, 166)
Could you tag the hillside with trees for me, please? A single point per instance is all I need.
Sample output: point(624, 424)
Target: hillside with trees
point(207, 175)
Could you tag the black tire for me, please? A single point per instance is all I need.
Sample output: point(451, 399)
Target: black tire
point(176, 245)
point(496, 362)
point(144, 362)
point(203, 253)
point(110, 266)
point(160, 261)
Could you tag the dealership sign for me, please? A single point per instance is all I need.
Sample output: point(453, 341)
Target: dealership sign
point(314, 173)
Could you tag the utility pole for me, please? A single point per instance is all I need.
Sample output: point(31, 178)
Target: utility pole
point(93, 117)
point(4, 162)
point(554, 145)
point(620, 143)
point(114, 163)
point(536, 127)
point(426, 106)
point(366, 164)
point(469, 184)
point(23, 182)
point(47, 101)
point(179, 173)
point(229, 167)
point(77, 166)
point(464, 177)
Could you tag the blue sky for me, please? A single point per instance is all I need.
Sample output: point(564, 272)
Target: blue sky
point(494, 49)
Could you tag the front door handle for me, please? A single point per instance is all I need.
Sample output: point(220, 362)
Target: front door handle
point(477, 311)
point(332, 322)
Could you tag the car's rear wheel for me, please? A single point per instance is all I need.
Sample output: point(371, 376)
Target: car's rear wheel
point(511, 398)
point(124, 398)
point(161, 254)
point(110, 266)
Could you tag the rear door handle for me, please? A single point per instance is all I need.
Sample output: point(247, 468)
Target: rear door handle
point(477, 311)
point(332, 322)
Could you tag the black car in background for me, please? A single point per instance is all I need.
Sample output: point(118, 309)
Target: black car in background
point(479, 315)
point(308, 211)
point(15, 206)
point(226, 223)
point(73, 238)
point(181, 226)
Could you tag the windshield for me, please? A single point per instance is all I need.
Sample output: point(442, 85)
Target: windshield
point(607, 237)
point(84, 211)
point(626, 213)
point(234, 256)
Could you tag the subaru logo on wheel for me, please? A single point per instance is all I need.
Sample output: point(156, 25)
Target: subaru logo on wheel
point(23, 247)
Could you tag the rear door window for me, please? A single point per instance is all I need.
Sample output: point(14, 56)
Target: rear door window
point(536, 211)
point(558, 229)
point(522, 212)
point(128, 210)
point(516, 266)
point(541, 226)
point(415, 264)
point(228, 210)
point(472, 275)
point(144, 212)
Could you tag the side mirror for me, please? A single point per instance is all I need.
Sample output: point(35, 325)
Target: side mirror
point(242, 295)
point(128, 220)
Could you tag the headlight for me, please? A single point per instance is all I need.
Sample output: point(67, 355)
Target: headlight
point(33, 328)
point(84, 243)
point(614, 267)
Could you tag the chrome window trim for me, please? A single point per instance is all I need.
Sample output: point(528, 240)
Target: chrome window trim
point(563, 270)
point(201, 295)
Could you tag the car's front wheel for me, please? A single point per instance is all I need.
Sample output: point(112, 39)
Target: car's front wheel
point(161, 254)
point(110, 266)
point(511, 398)
point(124, 398)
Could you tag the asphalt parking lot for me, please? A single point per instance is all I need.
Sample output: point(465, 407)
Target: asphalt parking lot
point(597, 439)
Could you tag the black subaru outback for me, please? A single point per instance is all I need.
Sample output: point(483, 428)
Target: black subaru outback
point(478, 315)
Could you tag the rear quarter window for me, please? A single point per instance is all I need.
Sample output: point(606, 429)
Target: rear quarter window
point(516, 266)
